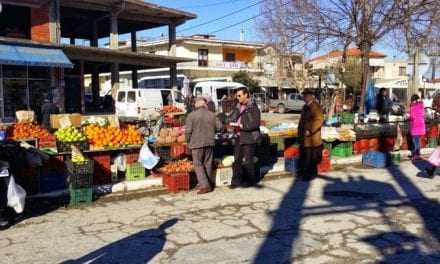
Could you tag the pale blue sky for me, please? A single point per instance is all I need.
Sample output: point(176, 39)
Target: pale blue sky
point(207, 10)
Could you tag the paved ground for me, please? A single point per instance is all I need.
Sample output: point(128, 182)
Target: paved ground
point(350, 216)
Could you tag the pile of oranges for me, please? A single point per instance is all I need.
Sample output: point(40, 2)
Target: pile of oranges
point(27, 131)
point(100, 136)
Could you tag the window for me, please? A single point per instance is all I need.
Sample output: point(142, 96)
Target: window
point(199, 91)
point(131, 97)
point(402, 71)
point(203, 58)
point(121, 97)
point(230, 57)
point(15, 22)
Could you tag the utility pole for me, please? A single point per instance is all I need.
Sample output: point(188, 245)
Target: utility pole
point(413, 87)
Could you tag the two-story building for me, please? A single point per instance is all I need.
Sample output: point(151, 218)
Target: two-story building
point(326, 61)
point(35, 65)
point(217, 60)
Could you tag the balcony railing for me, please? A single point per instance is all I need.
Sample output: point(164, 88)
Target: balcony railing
point(222, 65)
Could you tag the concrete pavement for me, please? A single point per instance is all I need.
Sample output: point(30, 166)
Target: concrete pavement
point(350, 216)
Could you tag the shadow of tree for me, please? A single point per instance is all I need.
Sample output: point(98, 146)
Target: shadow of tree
point(136, 249)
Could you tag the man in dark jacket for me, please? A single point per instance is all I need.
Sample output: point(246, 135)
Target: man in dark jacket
point(383, 105)
point(245, 118)
point(48, 108)
point(309, 134)
point(200, 128)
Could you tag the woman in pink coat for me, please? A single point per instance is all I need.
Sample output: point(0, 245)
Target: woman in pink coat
point(417, 124)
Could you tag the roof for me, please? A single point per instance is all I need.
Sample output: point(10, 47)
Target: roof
point(206, 41)
point(131, 9)
point(351, 52)
point(143, 60)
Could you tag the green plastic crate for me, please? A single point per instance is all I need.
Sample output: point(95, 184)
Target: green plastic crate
point(135, 172)
point(279, 141)
point(347, 118)
point(432, 142)
point(80, 196)
point(344, 149)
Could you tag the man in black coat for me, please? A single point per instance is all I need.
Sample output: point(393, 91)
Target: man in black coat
point(245, 118)
point(383, 105)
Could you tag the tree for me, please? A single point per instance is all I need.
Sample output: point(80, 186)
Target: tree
point(349, 73)
point(316, 24)
point(244, 78)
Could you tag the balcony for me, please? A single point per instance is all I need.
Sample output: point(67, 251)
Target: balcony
point(222, 65)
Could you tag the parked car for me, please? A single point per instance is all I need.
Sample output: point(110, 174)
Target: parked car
point(294, 102)
point(145, 104)
point(261, 100)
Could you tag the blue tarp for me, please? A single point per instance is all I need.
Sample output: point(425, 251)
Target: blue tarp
point(33, 56)
point(370, 98)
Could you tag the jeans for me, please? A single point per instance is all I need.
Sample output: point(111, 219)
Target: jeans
point(416, 146)
point(244, 167)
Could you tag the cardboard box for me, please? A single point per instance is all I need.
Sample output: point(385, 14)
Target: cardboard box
point(56, 120)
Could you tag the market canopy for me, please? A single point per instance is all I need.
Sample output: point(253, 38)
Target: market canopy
point(33, 56)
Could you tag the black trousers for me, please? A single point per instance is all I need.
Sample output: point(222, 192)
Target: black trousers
point(309, 158)
point(244, 167)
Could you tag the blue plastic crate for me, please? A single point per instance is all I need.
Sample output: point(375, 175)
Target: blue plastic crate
point(291, 164)
point(375, 159)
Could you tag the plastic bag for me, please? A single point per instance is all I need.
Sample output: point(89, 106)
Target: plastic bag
point(147, 158)
point(121, 162)
point(16, 196)
point(434, 159)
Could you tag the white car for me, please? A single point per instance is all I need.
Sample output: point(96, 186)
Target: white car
point(145, 104)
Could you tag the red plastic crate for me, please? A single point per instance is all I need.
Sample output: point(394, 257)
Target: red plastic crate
point(324, 166)
point(291, 152)
point(47, 142)
point(132, 157)
point(102, 173)
point(176, 182)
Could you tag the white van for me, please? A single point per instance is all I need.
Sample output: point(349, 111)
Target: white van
point(144, 104)
point(217, 90)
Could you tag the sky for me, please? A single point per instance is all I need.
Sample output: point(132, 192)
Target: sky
point(207, 10)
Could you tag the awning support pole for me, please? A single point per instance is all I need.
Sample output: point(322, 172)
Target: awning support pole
point(82, 88)
point(134, 73)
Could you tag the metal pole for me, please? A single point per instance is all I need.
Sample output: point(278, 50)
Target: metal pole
point(2, 112)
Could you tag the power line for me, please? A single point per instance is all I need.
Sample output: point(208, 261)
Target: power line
point(222, 17)
point(246, 20)
point(209, 5)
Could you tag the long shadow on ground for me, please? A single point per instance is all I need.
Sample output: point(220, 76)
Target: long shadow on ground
point(139, 248)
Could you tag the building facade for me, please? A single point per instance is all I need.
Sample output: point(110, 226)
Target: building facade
point(36, 65)
point(217, 60)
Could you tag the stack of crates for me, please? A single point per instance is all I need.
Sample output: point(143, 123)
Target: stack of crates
point(80, 182)
point(342, 149)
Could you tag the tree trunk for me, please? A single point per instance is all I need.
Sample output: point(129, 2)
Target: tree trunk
point(365, 48)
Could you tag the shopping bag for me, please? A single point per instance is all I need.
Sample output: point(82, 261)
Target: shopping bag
point(16, 196)
point(434, 159)
point(147, 158)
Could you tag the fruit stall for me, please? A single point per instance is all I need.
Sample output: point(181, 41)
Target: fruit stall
point(91, 154)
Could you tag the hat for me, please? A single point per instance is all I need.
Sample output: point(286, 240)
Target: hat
point(308, 91)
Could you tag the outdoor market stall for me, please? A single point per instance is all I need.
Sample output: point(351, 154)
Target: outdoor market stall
point(88, 151)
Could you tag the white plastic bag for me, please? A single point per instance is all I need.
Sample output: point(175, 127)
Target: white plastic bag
point(147, 158)
point(16, 196)
point(121, 162)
